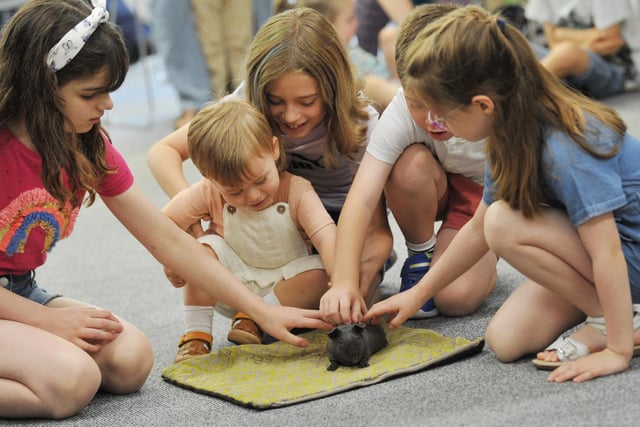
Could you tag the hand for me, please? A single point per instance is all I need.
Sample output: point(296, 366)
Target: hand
point(176, 281)
point(87, 327)
point(342, 304)
point(278, 320)
point(594, 365)
point(196, 229)
point(398, 308)
point(605, 46)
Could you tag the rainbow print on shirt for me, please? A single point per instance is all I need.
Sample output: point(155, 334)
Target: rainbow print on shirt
point(33, 209)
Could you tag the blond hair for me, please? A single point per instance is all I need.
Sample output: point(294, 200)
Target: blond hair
point(469, 52)
point(420, 17)
point(224, 138)
point(303, 40)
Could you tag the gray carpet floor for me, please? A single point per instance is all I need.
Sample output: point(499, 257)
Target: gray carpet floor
point(101, 263)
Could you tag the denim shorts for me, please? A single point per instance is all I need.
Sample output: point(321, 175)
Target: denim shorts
point(25, 285)
point(602, 78)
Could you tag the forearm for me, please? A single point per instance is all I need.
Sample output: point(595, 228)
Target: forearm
point(325, 243)
point(178, 251)
point(350, 237)
point(612, 286)
point(165, 159)
point(166, 166)
point(18, 309)
point(397, 10)
point(464, 251)
point(554, 35)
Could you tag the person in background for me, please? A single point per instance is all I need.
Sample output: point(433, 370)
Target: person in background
point(262, 11)
point(174, 32)
point(224, 29)
point(593, 45)
point(379, 21)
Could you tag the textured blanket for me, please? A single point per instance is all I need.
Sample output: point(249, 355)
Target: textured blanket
point(279, 374)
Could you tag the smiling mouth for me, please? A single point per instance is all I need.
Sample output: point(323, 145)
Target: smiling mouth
point(289, 126)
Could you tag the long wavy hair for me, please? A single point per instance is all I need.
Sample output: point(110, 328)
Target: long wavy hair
point(469, 52)
point(29, 91)
point(303, 40)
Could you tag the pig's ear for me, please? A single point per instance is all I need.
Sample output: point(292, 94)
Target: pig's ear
point(334, 333)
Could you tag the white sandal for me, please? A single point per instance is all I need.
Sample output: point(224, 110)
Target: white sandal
point(569, 349)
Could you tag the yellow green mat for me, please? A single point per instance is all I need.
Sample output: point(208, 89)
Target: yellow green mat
point(279, 374)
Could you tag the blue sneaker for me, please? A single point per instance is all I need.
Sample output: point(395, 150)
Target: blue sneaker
point(412, 271)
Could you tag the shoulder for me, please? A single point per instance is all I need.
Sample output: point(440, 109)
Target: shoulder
point(397, 120)
point(296, 183)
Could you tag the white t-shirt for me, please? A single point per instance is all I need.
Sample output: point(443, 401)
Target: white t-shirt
point(396, 130)
point(593, 13)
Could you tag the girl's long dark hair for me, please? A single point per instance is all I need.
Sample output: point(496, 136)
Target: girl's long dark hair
point(29, 91)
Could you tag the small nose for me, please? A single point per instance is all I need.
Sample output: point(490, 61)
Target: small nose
point(253, 194)
point(106, 103)
point(290, 114)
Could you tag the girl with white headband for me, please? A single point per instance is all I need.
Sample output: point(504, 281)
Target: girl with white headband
point(59, 61)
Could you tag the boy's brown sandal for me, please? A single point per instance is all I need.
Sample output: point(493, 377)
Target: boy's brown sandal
point(193, 344)
point(244, 330)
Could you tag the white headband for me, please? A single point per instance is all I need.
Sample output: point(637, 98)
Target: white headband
point(71, 43)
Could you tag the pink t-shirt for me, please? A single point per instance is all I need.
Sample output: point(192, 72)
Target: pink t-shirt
point(31, 220)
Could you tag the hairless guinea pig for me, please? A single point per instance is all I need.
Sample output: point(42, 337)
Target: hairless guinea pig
point(353, 345)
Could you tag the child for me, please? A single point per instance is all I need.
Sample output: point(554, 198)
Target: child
point(260, 216)
point(300, 78)
point(224, 31)
point(560, 202)
point(594, 45)
point(379, 85)
point(58, 352)
point(426, 175)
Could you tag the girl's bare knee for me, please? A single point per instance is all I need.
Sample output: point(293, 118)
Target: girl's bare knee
point(414, 169)
point(71, 391)
point(128, 370)
point(498, 226)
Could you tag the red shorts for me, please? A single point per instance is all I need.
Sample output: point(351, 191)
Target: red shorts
point(459, 202)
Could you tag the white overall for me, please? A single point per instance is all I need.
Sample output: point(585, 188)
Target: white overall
point(262, 248)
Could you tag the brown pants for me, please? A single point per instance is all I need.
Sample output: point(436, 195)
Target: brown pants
point(225, 28)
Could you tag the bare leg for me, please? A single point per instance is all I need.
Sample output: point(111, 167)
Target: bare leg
point(416, 183)
point(566, 59)
point(529, 320)
point(303, 290)
point(548, 250)
point(126, 361)
point(43, 375)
